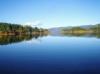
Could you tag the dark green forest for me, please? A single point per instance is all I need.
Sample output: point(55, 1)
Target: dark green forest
point(18, 29)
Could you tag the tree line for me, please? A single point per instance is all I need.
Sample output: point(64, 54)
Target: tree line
point(17, 29)
point(80, 29)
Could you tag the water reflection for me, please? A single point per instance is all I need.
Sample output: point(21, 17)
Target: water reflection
point(9, 39)
point(96, 35)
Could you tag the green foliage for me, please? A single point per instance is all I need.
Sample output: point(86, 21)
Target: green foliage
point(9, 28)
point(96, 28)
point(79, 29)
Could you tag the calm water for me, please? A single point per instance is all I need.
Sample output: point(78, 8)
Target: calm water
point(50, 55)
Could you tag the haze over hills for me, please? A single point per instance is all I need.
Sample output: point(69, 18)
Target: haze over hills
point(69, 27)
point(57, 30)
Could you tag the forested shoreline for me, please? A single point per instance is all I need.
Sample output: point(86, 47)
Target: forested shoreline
point(18, 29)
point(82, 29)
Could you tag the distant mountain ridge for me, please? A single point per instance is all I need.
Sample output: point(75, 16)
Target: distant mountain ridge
point(87, 26)
point(70, 27)
point(57, 30)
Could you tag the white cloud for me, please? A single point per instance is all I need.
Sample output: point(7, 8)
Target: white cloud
point(33, 23)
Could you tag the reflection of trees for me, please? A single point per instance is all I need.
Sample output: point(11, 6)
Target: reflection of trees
point(97, 35)
point(82, 34)
point(91, 31)
point(8, 39)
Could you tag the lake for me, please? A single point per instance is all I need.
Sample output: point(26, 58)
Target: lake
point(53, 54)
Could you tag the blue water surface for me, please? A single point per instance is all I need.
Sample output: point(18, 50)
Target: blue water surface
point(51, 55)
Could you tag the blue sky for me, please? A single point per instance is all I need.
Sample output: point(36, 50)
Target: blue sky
point(50, 13)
